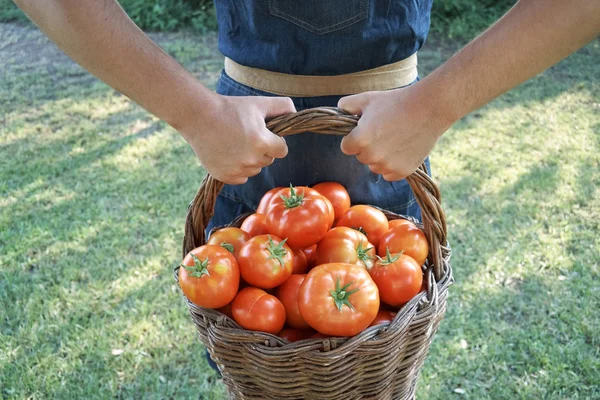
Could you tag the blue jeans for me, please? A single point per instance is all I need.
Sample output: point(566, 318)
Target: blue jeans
point(312, 158)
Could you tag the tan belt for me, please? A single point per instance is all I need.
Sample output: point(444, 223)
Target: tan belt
point(389, 76)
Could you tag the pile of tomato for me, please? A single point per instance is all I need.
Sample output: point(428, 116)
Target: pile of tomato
point(308, 264)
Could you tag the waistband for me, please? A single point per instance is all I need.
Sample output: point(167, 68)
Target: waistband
point(386, 77)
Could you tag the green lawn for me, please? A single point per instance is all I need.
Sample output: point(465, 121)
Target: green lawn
point(93, 194)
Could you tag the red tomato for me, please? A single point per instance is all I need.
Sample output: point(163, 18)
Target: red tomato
point(383, 317)
point(300, 262)
point(265, 261)
point(229, 238)
point(310, 253)
point(263, 206)
point(319, 335)
point(226, 310)
point(255, 224)
point(400, 221)
point(288, 295)
point(337, 194)
point(299, 214)
point(345, 245)
point(209, 276)
point(338, 299)
point(293, 335)
point(398, 278)
point(256, 310)
point(331, 218)
point(366, 219)
point(406, 239)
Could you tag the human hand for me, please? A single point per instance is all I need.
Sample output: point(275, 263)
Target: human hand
point(397, 129)
point(230, 137)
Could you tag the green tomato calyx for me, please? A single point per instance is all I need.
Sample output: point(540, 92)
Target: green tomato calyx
point(362, 254)
point(294, 200)
point(277, 251)
point(227, 246)
point(341, 295)
point(199, 269)
point(389, 258)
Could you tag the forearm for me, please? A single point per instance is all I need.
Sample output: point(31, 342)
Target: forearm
point(531, 37)
point(98, 35)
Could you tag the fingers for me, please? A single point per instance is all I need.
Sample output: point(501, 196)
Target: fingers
point(266, 161)
point(356, 141)
point(271, 145)
point(379, 169)
point(275, 146)
point(354, 104)
point(275, 106)
point(393, 177)
point(240, 176)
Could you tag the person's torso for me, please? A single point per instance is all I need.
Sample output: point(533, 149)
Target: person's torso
point(321, 37)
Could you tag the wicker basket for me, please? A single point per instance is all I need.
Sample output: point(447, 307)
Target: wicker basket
point(382, 362)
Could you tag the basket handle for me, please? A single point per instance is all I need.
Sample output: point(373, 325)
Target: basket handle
point(328, 121)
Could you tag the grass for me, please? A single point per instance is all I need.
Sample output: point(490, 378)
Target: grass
point(93, 194)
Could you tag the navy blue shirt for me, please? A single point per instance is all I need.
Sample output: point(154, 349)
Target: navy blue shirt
point(321, 37)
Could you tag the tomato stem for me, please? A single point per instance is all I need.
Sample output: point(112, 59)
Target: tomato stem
point(389, 259)
point(294, 200)
point(362, 253)
point(360, 229)
point(341, 295)
point(199, 268)
point(277, 252)
point(227, 246)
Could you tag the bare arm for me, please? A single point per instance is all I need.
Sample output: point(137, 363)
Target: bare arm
point(98, 35)
point(399, 128)
point(532, 36)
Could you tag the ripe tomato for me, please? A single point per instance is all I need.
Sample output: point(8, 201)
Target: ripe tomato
point(229, 238)
point(293, 335)
point(209, 276)
point(226, 310)
point(345, 245)
point(398, 278)
point(265, 261)
point(366, 219)
point(331, 218)
point(263, 206)
point(256, 310)
point(299, 214)
point(337, 194)
point(300, 262)
point(383, 317)
point(338, 299)
point(288, 295)
point(407, 239)
point(310, 253)
point(255, 224)
point(400, 221)
point(320, 335)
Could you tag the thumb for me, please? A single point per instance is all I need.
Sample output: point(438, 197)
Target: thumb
point(354, 142)
point(354, 104)
point(276, 145)
point(275, 106)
